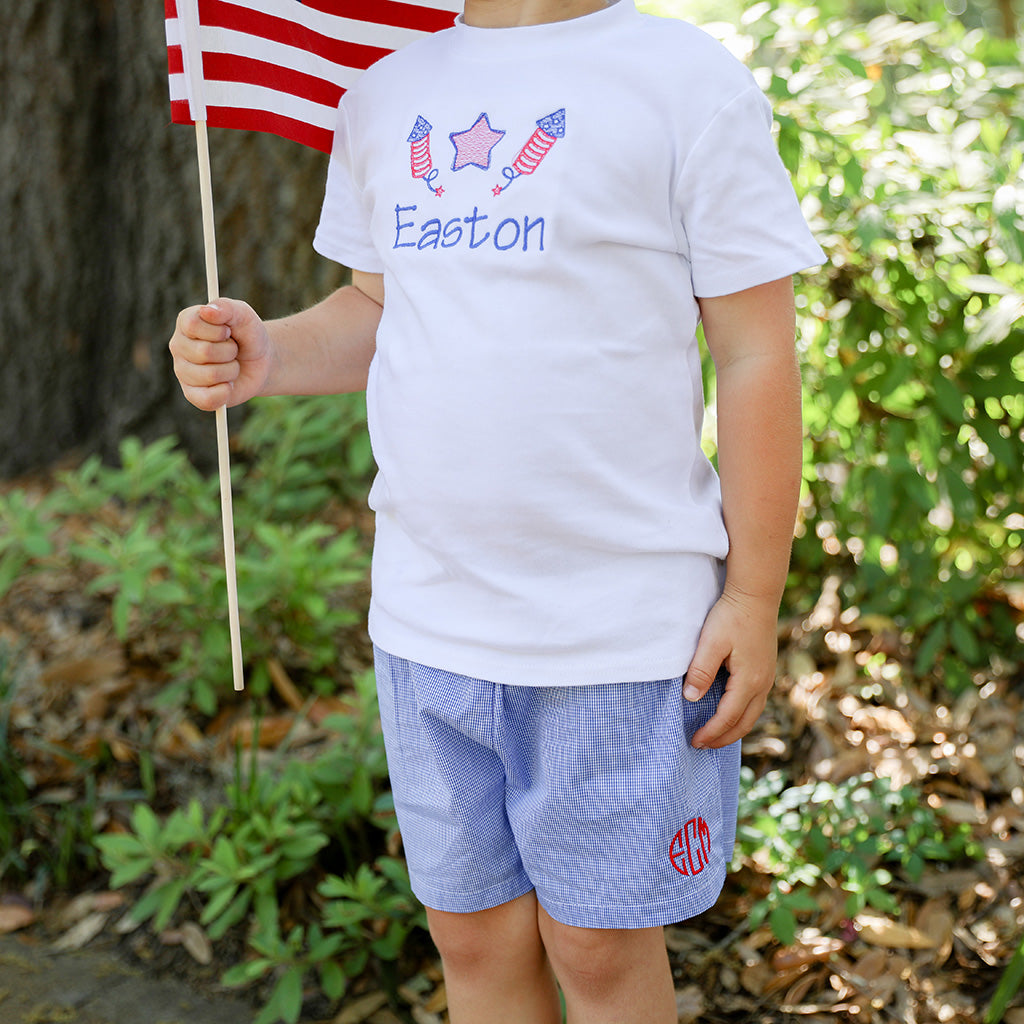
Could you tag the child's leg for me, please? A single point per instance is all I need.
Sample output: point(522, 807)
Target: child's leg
point(611, 975)
point(495, 967)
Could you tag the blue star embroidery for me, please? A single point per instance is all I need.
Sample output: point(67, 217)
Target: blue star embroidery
point(474, 145)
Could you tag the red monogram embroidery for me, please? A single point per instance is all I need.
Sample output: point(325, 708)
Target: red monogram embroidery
point(690, 850)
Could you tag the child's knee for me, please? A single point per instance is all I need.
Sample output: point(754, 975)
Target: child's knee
point(476, 941)
point(463, 940)
point(593, 960)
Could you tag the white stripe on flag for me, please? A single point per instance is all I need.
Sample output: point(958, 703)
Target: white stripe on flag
point(389, 37)
point(241, 44)
point(242, 96)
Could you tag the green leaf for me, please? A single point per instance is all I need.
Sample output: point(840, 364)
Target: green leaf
point(218, 903)
point(783, 924)
point(150, 903)
point(11, 566)
point(234, 913)
point(118, 846)
point(966, 641)
point(851, 64)
point(949, 398)
point(1009, 986)
point(244, 973)
point(130, 871)
point(171, 895)
point(38, 546)
point(332, 980)
point(285, 1002)
point(146, 824)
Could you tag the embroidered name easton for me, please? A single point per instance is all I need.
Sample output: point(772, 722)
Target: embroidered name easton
point(509, 233)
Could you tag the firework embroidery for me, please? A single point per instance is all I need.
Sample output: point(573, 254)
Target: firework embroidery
point(548, 131)
point(419, 155)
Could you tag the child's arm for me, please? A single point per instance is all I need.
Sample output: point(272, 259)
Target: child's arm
point(751, 338)
point(225, 355)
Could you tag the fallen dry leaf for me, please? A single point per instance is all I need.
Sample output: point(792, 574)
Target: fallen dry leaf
point(756, 978)
point(361, 1009)
point(192, 938)
point(123, 752)
point(82, 933)
point(127, 924)
point(883, 931)
point(883, 722)
point(784, 980)
point(689, 1004)
point(935, 919)
point(83, 671)
point(438, 1001)
point(13, 917)
point(797, 993)
point(286, 689)
point(383, 1016)
point(272, 730)
point(961, 812)
point(87, 903)
point(877, 976)
point(323, 707)
point(421, 1016)
point(814, 949)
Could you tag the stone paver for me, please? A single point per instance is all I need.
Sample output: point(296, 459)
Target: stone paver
point(95, 986)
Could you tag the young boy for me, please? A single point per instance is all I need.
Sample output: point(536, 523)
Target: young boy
point(574, 622)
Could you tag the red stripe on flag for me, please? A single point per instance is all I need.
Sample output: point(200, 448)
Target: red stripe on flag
point(258, 121)
point(181, 112)
point(170, 11)
point(226, 67)
point(264, 121)
point(220, 14)
point(175, 61)
point(387, 12)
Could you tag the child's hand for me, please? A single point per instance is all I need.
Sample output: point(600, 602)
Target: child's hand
point(222, 354)
point(741, 633)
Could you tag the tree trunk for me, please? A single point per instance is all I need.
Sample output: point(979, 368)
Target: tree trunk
point(1009, 18)
point(100, 233)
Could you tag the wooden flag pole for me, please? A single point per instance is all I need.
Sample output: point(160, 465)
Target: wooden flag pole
point(223, 453)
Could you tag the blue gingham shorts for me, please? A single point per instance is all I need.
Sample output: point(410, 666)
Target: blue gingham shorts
point(591, 795)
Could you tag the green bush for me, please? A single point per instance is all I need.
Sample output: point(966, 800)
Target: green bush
point(47, 837)
point(847, 835)
point(324, 822)
point(147, 533)
point(905, 141)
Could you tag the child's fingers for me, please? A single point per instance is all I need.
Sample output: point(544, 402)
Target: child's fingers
point(193, 352)
point(700, 675)
point(206, 373)
point(208, 346)
point(208, 399)
point(737, 713)
point(713, 648)
point(201, 323)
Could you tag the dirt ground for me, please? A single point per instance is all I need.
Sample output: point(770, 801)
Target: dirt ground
point(96, 985)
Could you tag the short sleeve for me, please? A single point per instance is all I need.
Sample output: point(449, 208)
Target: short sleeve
point(343, 234)
point(741, 220)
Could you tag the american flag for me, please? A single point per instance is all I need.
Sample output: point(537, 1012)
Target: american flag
point(281, 66)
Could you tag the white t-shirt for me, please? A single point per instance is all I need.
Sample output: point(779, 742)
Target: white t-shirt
point(545, 203)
